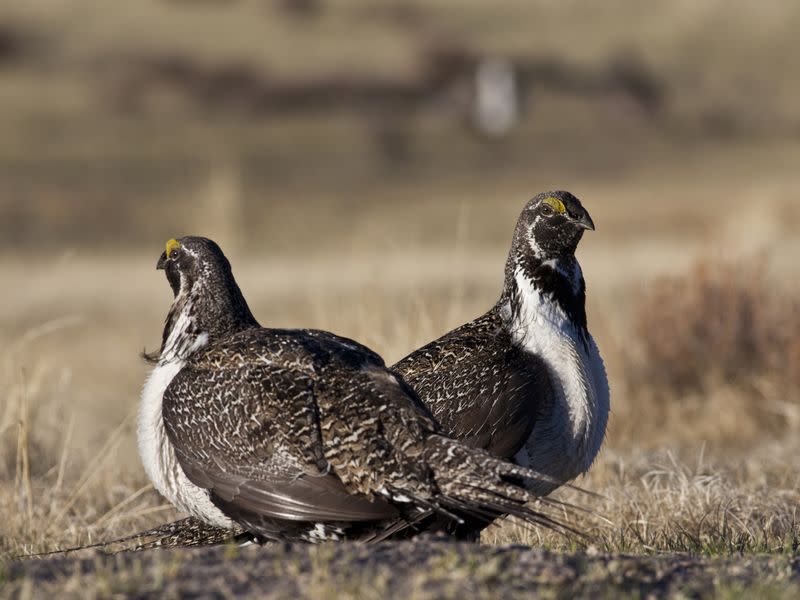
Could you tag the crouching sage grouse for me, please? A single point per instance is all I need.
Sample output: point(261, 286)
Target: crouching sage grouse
point(299, 434)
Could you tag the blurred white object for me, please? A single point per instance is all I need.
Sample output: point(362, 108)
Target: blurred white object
point(496, 107)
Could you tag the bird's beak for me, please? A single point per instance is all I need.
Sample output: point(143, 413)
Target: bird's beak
point(585, 221)
point(162, 261)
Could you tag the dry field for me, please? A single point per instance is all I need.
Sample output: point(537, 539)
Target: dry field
point(693, 288)
point(699, 325)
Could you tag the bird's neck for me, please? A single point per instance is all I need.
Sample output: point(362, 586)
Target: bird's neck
point(557, 280)
point(201, 316)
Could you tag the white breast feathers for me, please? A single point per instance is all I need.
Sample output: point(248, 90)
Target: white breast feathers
point(155, 449)
point(564, 443)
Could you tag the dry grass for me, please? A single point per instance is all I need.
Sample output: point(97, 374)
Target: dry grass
point(698, 489)
point(325, 230)
point(656, 503)
point(66, 151)
point(724, 320)
point(57, 487)
point(721, 339)
point(705, 469)
point(69, 471)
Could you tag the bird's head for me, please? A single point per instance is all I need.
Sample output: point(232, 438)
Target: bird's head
point(204, 288)
point(191, 259)
point(551, 225)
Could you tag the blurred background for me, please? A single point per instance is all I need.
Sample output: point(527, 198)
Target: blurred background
point(363, 164)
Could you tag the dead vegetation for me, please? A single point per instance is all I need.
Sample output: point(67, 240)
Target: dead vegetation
point(394, 232)
point(728, 321)
point(655, 503)
point(724, 320)
point(721, 339)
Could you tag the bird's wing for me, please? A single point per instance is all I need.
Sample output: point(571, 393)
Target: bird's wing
point(338, 342)
point(481, 388)
point(244, 425)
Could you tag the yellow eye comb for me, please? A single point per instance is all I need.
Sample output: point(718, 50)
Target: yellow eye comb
point(172, 244)
point(557, 204)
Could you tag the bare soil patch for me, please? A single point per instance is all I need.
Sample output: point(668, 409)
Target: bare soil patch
point(424, 568)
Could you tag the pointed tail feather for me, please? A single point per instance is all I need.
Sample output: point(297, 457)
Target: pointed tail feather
point(182, 533)
point(478, 484)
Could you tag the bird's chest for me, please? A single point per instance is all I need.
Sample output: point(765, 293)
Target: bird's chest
point(158, 456)
point(568, 435)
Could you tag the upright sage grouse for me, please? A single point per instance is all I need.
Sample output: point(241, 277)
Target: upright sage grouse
point(525, 381)
point(298, 434)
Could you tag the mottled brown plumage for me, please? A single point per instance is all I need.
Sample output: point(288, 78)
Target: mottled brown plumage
point(183, 533)
point(479, 385)
point(299, 434)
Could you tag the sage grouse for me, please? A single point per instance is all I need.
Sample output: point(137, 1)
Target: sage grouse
point(298, 434)
point(525, 381)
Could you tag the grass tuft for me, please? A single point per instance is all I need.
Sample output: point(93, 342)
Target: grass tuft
point(720, 321)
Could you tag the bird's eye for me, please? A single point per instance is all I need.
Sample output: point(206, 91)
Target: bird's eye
point(547, 210)
point(174, 254)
